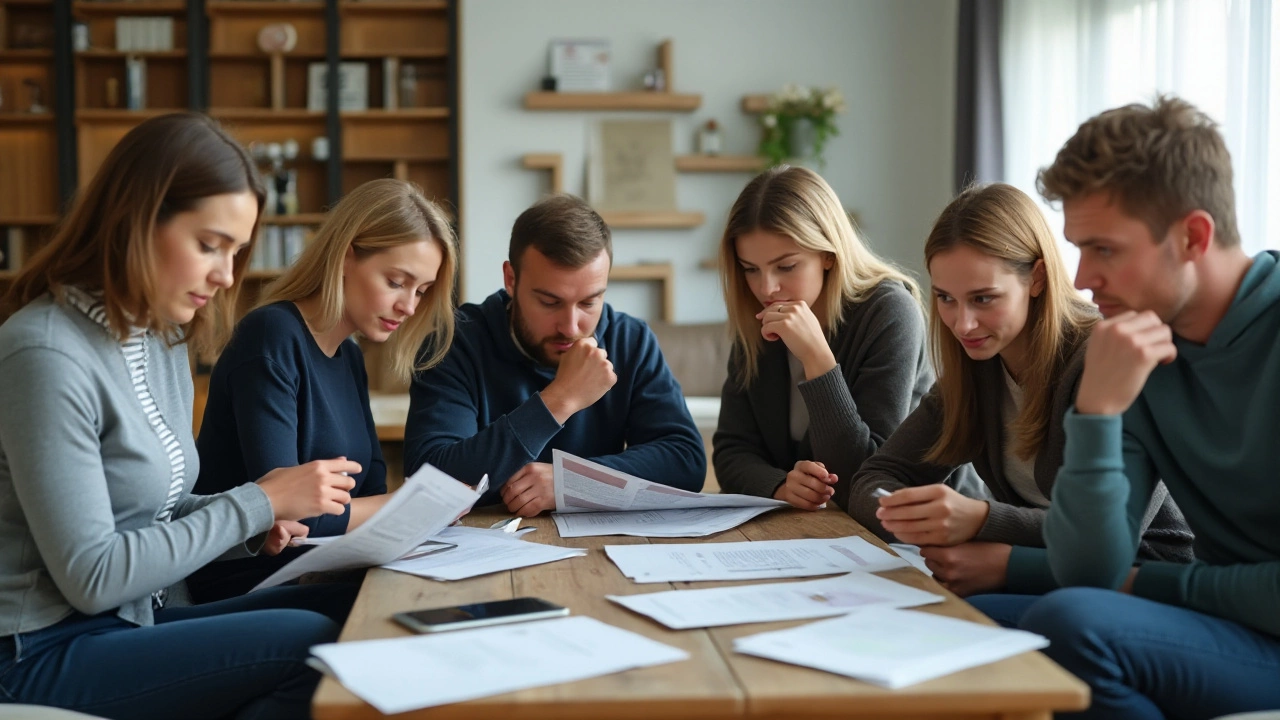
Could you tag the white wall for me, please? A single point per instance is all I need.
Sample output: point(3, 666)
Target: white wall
point(893, 59)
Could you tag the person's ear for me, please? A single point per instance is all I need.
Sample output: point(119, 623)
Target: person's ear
point(828, 261)
point(1198, 232)
point(509, 277)
point(1037, 278)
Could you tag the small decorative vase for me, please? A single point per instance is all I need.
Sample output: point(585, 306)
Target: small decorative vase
point(801, 138)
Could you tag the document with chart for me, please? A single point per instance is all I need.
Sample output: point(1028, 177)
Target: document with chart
point(592, 499)
point(806, 557)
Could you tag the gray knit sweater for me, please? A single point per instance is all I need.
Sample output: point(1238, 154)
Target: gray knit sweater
point(1012, 520)
point(85, 479)
point(880, 375)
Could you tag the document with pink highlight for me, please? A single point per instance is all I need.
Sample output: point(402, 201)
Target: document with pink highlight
point(592, 499)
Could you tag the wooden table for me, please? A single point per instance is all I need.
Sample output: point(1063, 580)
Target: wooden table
point(715, 682)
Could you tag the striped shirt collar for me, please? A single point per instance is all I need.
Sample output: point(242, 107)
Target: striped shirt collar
point(90, 303)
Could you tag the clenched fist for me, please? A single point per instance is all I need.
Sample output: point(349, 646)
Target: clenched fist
point(583, 377)
point(1122, 352)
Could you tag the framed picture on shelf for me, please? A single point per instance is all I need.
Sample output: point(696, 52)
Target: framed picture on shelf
point(353, 86)
point(579, 65)
point(631, 166)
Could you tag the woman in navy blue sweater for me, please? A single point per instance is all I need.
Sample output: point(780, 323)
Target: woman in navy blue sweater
point(291, 387)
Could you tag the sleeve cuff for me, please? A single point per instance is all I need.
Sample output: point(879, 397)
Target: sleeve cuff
point(1094, 442)
point(253, 501)
point(1028, 572)
point(1162, 581)
point(533, 425)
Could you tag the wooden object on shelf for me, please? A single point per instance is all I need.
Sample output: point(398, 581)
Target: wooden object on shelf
point(662, 273)
point(277, 81)
point(666, 65)
point(755, 104)
point(639, 100)
point(667, 220)
point(720, 163)
point(711, 263)
point(547, 161)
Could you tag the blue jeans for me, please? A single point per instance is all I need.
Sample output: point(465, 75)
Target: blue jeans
point(1144, 659)
point(241, 658)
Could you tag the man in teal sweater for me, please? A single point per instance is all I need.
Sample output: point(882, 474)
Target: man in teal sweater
point(1181, 383)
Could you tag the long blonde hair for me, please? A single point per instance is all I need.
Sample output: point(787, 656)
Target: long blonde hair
point(799, 204)
point(376, 216)
point(1000, 221)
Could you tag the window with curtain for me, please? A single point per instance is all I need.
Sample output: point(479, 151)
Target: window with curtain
point(1062, 61)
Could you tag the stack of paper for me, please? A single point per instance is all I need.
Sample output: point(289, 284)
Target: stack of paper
point(750, 560)
point(416, 672)
point(592, 499)
point(427, 503)
point(890, 648)
point(480, 552)
point(712, 607)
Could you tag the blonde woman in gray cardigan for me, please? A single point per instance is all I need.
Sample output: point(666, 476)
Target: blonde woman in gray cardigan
point(1009, 335)
point(828, 353)
point(98, 525)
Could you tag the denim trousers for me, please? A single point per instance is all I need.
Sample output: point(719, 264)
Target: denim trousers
point(242, 658)
point(1144, 659)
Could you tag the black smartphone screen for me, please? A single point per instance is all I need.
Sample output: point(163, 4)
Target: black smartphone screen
point(482, 611)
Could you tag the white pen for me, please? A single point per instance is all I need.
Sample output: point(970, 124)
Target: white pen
point(880, 492)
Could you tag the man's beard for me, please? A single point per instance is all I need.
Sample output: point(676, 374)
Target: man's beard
point(531, 345)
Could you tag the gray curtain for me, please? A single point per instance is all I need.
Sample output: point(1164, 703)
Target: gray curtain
point(979, 124)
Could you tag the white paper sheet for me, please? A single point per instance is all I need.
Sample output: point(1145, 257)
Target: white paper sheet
point(713, 607)
point(410, 673)
point(585, 486)
point(890, 648)
point(679, 522)
point(425, 505)
point(750, 560)
point(911, 553)
point(480, 552)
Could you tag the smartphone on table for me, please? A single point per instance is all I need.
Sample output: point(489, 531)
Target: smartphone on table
point(473, 615)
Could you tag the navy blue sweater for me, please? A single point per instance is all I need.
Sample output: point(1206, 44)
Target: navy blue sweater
point(480, 411)
point(276, 400)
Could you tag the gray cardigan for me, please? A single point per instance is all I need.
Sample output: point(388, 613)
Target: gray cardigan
point(1012, 520)
point(83, 475)
point(880, 375)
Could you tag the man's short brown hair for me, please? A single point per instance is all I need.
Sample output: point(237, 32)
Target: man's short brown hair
point(564, 229)
point(1159, 163)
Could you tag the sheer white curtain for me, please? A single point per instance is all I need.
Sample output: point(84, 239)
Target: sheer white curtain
point(1063, 61)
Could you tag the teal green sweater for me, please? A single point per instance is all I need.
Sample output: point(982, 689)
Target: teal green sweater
point(1208, 424)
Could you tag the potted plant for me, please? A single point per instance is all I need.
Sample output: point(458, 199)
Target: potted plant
point(799, 122)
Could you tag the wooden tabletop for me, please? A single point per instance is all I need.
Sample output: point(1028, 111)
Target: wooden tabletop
point(715, 682)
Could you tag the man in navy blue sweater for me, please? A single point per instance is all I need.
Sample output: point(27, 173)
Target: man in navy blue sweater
point(546, 364)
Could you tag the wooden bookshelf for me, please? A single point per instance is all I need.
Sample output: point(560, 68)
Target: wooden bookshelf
point(263, 6)
point(31, 200)
point(720, 163)
point(660, 101)
point(134, 7)
point(298, 219)
point(658, 220)
point(661, 273)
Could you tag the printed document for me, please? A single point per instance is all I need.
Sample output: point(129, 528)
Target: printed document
point(582, 486)
point(681, 522)
point(712, 607)
point(427, 503)
point(479, 552)
point(750, 560)
point(405, 674)
point(890, 648)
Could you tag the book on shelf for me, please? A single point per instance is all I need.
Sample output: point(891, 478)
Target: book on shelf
point(135, 82)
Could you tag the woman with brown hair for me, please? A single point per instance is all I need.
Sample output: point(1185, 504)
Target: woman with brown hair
point(98, 525)
point(1009, 335)
point(828, 344)
point(291, 387)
